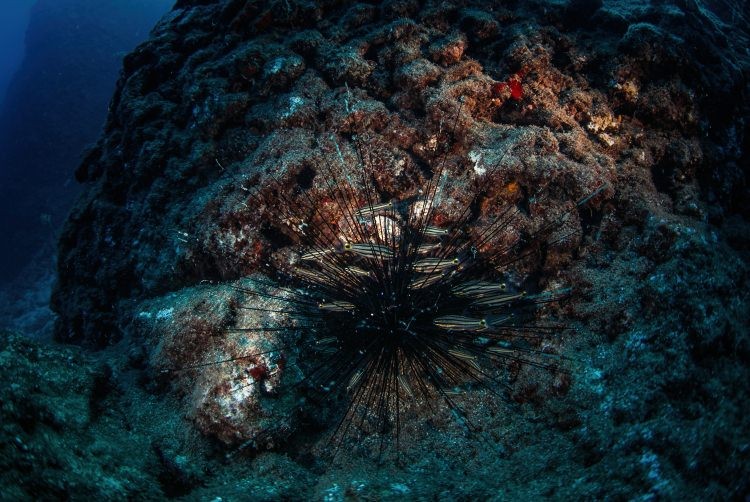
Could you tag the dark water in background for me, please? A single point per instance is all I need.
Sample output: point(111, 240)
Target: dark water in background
point(59, 61)
point(55, 105)
point(14, 18)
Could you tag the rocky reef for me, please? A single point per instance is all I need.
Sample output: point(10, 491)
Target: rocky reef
point(525, 98)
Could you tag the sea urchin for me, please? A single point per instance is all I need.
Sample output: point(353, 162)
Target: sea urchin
point(395, 310)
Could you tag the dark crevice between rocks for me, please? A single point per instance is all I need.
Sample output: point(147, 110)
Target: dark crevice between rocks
point(662, 175)
point(103, 386)
point(305, 177)
point(175, 476)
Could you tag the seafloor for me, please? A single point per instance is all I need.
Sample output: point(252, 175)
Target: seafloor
point(646, 99)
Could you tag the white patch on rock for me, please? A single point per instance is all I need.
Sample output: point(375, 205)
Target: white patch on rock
point(400, 488)
point(294, 103)
point(164, 314)
point(476, 158)
point(276, 66)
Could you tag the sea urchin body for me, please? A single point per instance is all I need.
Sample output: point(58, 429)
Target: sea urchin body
point(399, 307)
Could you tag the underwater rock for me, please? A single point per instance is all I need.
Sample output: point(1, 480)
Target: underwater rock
point(230, 397)
point(54, 441)
point(264, 101)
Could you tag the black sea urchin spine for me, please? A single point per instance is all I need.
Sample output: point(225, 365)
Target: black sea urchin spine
point(397, 311)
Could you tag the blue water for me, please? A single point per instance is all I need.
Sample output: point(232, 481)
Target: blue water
point(14, 18)
point(59, 61)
